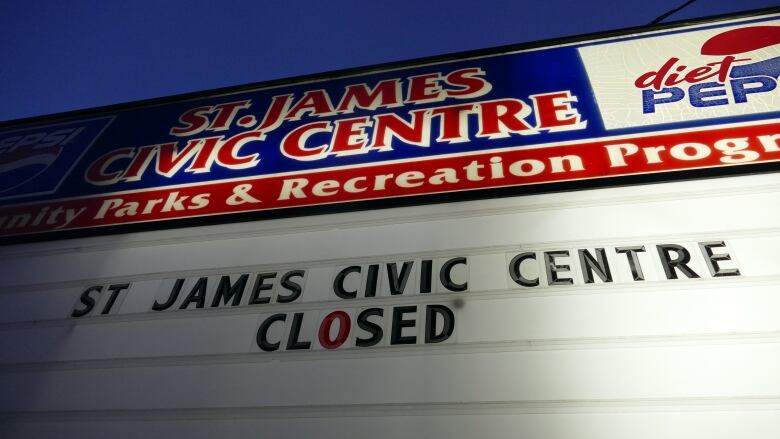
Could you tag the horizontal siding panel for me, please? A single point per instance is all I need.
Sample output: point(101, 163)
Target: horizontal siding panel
point(606, 425)
point(478, 227)
point(707, 371)
point(578, 316)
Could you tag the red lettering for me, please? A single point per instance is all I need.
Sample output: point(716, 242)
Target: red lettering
point(273, 118)
point(98, 174)
point(666, 76)
point(226, 113)
point(699, 74)
point(501, 117)
point(672, 78)
point(140, 163)
point(554, 110)
point(469, 79)
point(227, 155)
point(655, 79)
point(387, 126)
point(349, 136)
point(294, 143)
point(325, 329)
point(194, 121)
point(386, 92)
point(170, 160)
point(315, 102)
point(725, 66)
point(454, 123)
point(205, 157)
point(424, 88)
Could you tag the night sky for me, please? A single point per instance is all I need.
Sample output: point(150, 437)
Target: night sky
point(60, 56)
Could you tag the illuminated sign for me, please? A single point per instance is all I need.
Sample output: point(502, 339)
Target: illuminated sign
point(677, 103)
point(353, 315)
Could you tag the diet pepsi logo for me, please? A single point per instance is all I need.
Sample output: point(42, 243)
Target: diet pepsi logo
point(36, 160)
point(734, 75)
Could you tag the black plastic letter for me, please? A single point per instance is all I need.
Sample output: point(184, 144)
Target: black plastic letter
point(633, 260)
point(598, 265)
point(679, 262)
point(87, 300)
point(261, 286)
point(399, 324)
point(295, 332)
point(370, 327)
point(226, 291)
point(197, 294)
point(290, 285)
point(445, 275)
point(171, 298)
point(553, 269)
point(712, 259)
point(426, 273)
point(371, 277)
point(115, 289)
point(431, 311)
point(514, 270)
point(338, 282)
point(262, 333)
point(398, 280)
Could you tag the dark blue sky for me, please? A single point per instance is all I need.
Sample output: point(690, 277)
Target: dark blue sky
point(60, 56)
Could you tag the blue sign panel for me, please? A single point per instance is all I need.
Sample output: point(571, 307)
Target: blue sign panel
point(690, 98)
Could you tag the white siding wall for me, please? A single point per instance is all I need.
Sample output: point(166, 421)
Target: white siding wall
point(686, 358)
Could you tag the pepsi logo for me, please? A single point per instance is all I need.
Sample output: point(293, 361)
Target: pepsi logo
point(24, 156)
point(744, 40)
point(37, 160)
point(739, 69)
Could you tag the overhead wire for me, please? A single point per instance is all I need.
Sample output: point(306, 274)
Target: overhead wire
point(663, 16)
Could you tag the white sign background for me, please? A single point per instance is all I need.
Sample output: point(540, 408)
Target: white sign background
point(683, 358)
